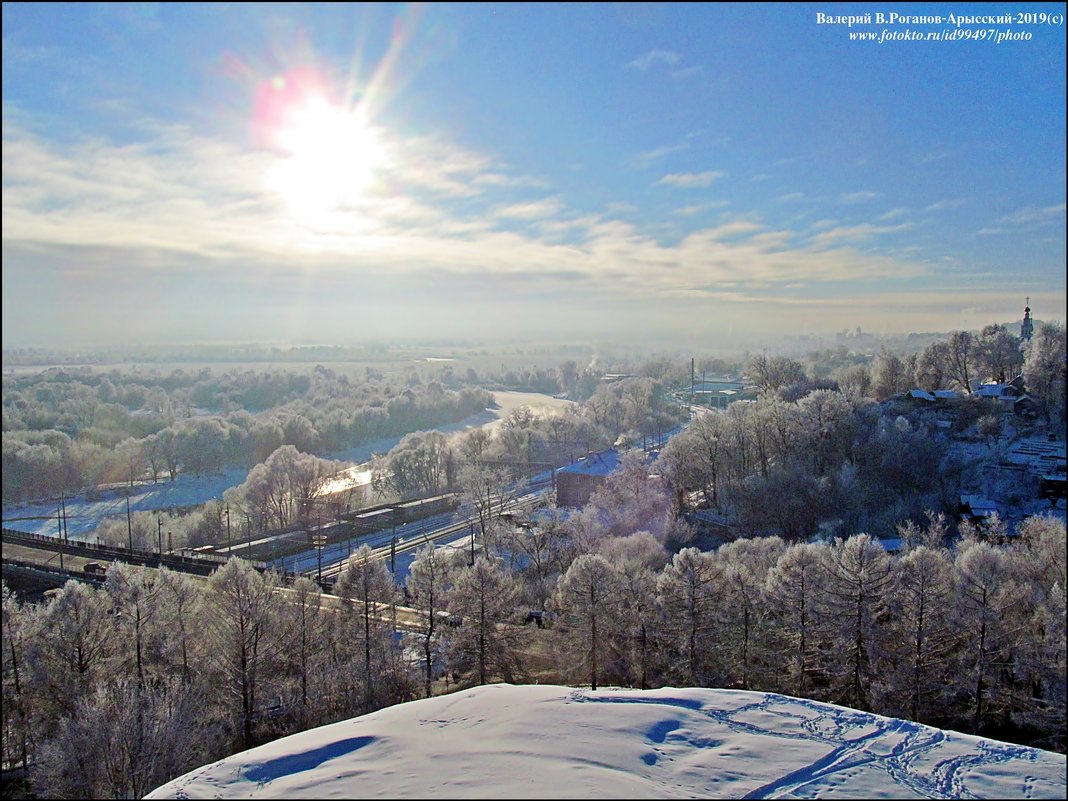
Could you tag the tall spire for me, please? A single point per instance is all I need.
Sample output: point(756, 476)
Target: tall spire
point(1027, 328)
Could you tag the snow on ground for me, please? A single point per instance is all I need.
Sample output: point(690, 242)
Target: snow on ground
point(543, 741)
point(85, 513)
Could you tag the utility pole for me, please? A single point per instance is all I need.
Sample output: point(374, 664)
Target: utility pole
point(393, 551)
point(129, 521)
point(472, 562)
point(159, 533)
point(59, 525)
point(228, 551)
point(319, 541)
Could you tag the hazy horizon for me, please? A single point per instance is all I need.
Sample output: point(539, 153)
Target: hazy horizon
point(641, 173)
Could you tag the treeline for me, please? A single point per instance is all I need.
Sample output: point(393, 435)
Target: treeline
point(780, 467)
point(966, 359)
point(66, 430)
point(526, 442)
point(110, 692)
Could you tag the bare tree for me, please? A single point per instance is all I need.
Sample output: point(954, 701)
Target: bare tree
point(428, 583)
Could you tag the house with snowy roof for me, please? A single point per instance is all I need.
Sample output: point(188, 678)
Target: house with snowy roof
point(577, 482)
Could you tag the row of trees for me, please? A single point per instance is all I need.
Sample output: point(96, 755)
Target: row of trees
point(780, 467)
point(972, 639)
point(112, 691)
point(428, 462)
point(53, 461)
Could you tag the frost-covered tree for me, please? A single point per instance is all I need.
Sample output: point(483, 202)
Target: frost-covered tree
point(306, 621)
point(124, 740)
point(853, 596)
point(135, 596)
point(243, 626)
point(586, 598)
point(998, 353)
point(1038, 675)
point(632, 499)
point(961, 354)
point(984, 599)
point(180, 602)
point(1044, 370)
point(428, 583)
point(484, 597)
point(922, 636)
point(18, 631)
point(637, 559)
point(791, 587)
point(746, 563)
point(689, 593)
point(368, 590)
point(70, 656)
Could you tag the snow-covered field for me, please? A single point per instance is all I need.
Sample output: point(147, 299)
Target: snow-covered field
point(84, 515)
point(543, 741)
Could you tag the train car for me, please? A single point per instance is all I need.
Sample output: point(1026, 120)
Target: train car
point(373, 521)
point(410, 511)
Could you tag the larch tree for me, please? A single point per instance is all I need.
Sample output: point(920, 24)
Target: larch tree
point(745, 564)
point(368, 589)
point(243, 626)
point(484, 597)
point(983, 601)
point(857, 578)
point(688, 592)
point(586, 598)
point(428, 584)
point(637, 560)
point(922, 636)
point(791, 587)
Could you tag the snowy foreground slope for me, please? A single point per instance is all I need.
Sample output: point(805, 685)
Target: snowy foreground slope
point(503, 741)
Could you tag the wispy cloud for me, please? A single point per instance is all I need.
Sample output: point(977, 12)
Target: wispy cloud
point(698, 208)
point(860, 232)
point(686, 180)
point(533, 210)
point(179, 202)
point(947, 204)
point(657, 153)
point(893, 214)
point(643, 63)
point(791, 197)
point(686, 72)
point(1033, 214)
point(863, 196)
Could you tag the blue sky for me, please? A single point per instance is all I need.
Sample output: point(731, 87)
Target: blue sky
point(710, 174)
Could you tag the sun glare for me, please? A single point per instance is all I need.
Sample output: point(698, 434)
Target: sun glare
point(328, 155)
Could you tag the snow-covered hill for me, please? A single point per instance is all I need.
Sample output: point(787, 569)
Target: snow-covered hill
point(503, 741)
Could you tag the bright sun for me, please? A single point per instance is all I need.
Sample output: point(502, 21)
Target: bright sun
point(329, 155)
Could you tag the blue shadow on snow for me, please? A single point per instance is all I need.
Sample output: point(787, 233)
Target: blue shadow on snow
point(296, 763)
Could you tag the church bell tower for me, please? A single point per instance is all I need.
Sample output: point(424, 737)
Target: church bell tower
point(1027, 328)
